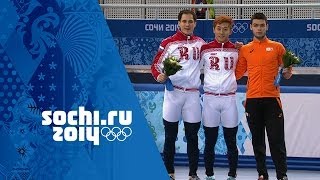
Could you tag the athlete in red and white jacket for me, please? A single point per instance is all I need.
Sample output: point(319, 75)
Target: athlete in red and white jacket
point(186, 48)
point(219, 67)
point(219, 101)
point(184, 101)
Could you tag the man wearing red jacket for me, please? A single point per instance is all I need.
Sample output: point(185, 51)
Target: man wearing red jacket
point(183, 102)
point(219, 101)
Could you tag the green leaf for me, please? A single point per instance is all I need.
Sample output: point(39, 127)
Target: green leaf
point(289, 58)
point(171, 66)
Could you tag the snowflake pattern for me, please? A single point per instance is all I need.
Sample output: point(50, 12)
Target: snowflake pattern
point(49, 80)
point(141, 50)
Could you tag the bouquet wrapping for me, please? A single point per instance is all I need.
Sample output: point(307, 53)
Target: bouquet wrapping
point(288, 59)
point(170, 67)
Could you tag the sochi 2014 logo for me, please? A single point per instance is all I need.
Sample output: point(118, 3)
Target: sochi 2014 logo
point(83, 125)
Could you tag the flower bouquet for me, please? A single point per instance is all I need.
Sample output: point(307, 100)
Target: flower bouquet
point(170, 67)
point(288, 59)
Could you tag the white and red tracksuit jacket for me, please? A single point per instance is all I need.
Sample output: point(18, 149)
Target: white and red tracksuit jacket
point(187, 50)
point(220, 60)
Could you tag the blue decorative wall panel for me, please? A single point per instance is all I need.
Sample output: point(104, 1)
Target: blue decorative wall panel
point(138, 40)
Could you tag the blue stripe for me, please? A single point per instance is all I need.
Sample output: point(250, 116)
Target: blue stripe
point(294, 163)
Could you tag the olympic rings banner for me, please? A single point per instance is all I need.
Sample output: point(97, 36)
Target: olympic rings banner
point(68, 109)
point(138, 45)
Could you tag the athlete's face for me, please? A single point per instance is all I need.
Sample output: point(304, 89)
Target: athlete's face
point(222, 32)
point(187, 24)
point(259, 28)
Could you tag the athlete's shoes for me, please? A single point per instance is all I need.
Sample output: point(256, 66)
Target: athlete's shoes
point(210, 178)
point(263, 178)
point(283, 178)
point(194, 177)
point(171, 176)
point(231, 178)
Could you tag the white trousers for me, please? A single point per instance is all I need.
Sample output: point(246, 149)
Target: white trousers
point(220, 109)
point(179, 104)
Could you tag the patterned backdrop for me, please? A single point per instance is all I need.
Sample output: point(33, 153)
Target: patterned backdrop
point(140, 51)
point(138, 45)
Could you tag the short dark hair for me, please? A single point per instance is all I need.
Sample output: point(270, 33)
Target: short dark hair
point(259, 15)
point(187, 11)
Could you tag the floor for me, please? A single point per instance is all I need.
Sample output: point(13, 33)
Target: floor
point(247, 174)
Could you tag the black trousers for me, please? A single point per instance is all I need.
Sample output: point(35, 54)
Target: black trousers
point(211, 136)
point(266, 113)
point(171, 132)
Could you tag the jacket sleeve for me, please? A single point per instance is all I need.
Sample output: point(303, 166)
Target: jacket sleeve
point(156, 69)
point(157, 66)
point(241, 65)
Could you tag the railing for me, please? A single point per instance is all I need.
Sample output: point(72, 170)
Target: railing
point(206, 5)
point(241, 7)
point(146, 68)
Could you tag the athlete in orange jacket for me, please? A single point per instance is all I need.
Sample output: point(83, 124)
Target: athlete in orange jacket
point(262, 58)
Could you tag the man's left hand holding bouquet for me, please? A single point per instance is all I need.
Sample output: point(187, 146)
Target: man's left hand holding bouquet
point(289, 59)
point(170, 67)
point(162, 78)
point(287, 72)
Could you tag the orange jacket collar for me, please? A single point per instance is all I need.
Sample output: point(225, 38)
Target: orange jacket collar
point(265, 39)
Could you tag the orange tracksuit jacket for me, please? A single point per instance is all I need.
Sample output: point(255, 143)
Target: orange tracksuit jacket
point(262, 60)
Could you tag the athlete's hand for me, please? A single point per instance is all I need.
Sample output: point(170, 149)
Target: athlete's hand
point(238, 45)
point(162, 78)
point(287, 72)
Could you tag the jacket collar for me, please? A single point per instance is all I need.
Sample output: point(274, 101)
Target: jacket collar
point(183, 36)
point(220, 44)
point(265, 39)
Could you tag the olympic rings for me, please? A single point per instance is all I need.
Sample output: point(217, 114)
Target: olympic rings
point(116, 133)
point(240, 27)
